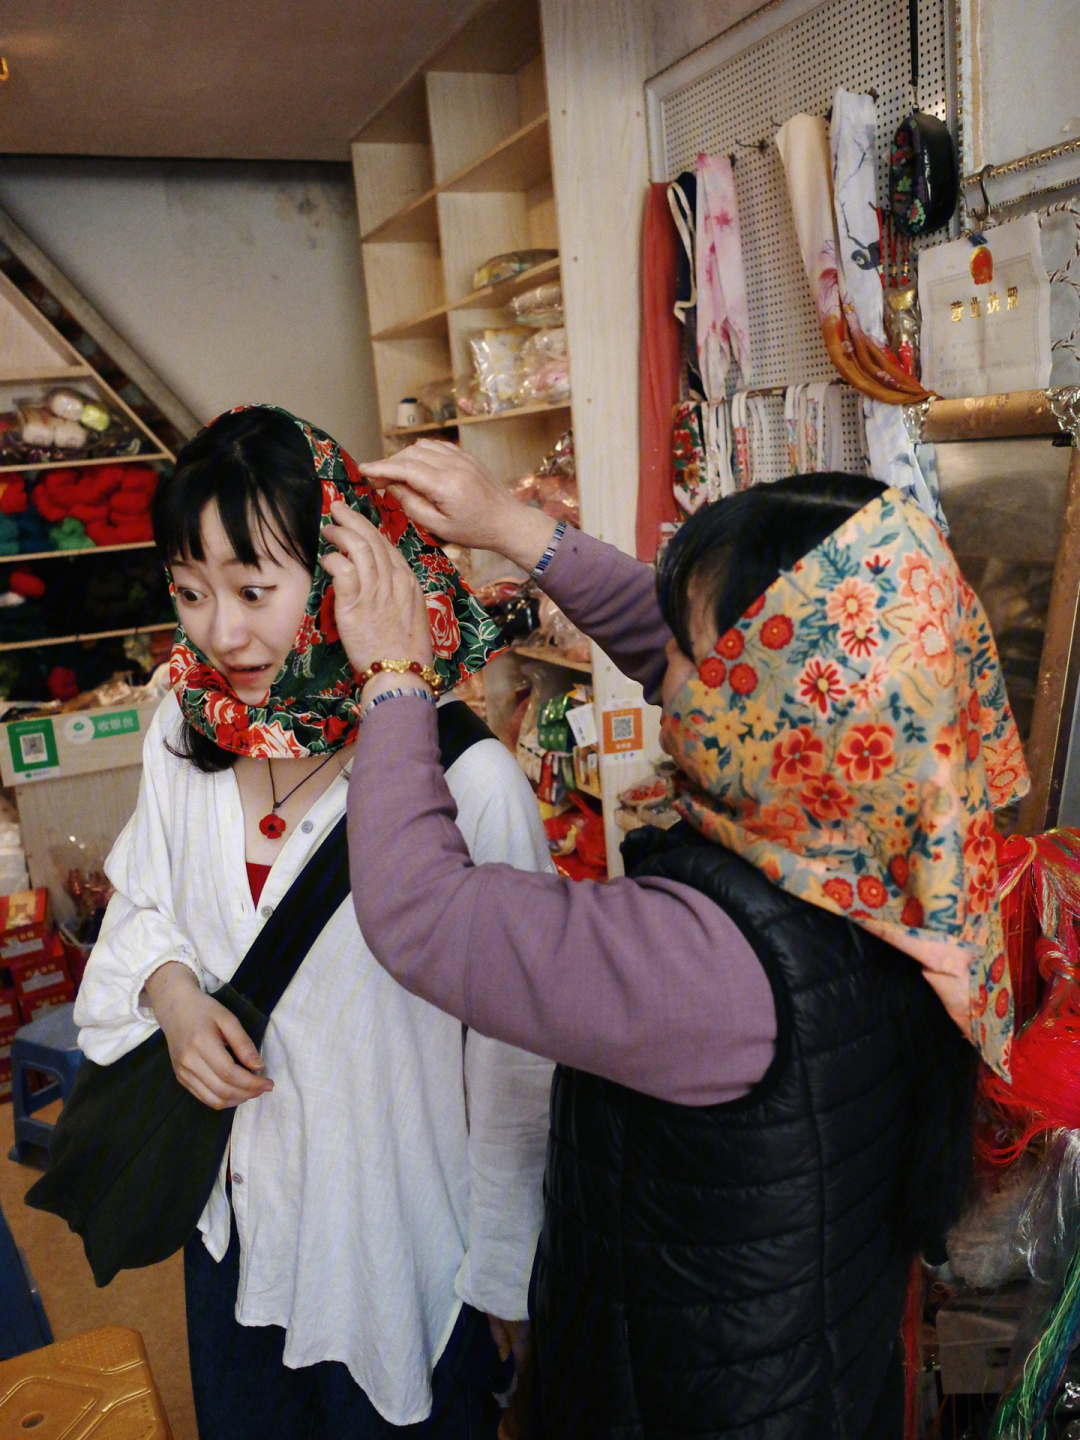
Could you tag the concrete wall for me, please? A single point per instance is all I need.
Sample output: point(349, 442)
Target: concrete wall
point(235, 281)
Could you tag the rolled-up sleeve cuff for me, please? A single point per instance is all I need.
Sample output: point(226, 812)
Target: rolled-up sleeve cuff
point(183, 956)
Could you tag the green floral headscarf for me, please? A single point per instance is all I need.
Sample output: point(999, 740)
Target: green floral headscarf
point(314, 703)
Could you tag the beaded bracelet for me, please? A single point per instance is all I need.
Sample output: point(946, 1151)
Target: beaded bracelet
point(545, 559)
point(390, 694)
point(403, 667)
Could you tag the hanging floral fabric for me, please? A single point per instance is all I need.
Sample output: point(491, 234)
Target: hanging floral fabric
point(723, 321)
point(314, 702)
point(804, 150)
point(661, 347)
point(850, 736)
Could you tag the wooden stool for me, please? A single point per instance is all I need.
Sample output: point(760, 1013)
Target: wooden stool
point(99, 1382)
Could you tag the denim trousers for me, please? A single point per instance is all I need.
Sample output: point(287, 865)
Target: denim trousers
point(243, 1391)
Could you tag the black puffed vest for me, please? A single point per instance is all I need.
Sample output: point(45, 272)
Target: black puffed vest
point(738, 1270)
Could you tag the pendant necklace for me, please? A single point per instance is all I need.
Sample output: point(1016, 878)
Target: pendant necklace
point(272, 825)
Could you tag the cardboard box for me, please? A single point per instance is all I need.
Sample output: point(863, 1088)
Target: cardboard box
point(78, 742)
point(10, 1018)
point(25, 925)
point(43, 978)
point(36, 1006)
point(5, 1078)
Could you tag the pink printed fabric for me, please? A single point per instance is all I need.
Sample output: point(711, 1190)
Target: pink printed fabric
point(723, 319)
point(850, 736)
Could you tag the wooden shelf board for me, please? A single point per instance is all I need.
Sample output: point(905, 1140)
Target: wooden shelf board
point(494, 297)
point(403, 434)
point(419, 220)
point(421, 327)
point(519, 162)
point(512, 414)
point(34, 377)
point(82, 550)
point(80, 464)
point(490, 297)
point(81, 639)
point(550, 656)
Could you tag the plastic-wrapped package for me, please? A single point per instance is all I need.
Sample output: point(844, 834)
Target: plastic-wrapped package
point(513, 603)
point(556, 494)
point(497, 362)
point(544, 367)
point(540, 307)
point(560, 633)
point(439, 399)
point(506, 266)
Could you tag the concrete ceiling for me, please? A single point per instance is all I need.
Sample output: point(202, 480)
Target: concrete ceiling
point(212, 79)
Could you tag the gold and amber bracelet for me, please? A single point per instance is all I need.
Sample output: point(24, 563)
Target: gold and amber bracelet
point(403, 667)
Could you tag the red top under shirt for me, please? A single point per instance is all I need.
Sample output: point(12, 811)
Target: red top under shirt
point(257, 879)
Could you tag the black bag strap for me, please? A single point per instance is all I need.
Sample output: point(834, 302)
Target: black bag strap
point(281, 946)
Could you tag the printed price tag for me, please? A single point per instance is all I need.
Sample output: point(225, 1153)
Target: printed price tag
point(582, 721)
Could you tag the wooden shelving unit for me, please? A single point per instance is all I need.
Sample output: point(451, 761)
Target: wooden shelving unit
point(84, 639)
point(456, 170)
point(34, 356)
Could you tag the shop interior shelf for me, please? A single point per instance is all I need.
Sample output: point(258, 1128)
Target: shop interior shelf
point(550, 656)
point(494, 297)
point(96, 635)
point(489, 297)
point(519, 162)
point(78, 464)
point(419, 220)
point(59, 372)
point(420, 327)
point(511, 414)
point(402, 433)
point(82, 550)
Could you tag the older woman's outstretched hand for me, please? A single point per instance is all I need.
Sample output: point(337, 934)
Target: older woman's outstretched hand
point(378, 604)
point(455, 497)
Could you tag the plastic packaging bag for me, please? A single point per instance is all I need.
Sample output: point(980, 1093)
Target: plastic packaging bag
point(439, 399)
point(555, 494)
point(545, 369)
point(506, 266)
point(497, 362)
point(542, 306)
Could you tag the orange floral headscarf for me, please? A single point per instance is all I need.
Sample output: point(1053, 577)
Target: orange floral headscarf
point(850, 736)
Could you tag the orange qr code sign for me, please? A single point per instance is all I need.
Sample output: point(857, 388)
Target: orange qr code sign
point(622, 730)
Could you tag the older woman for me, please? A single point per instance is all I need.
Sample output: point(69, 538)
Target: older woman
point(759, 1111)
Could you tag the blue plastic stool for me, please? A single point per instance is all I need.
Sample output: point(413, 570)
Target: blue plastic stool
point(23, 1323)
point(49, 1044)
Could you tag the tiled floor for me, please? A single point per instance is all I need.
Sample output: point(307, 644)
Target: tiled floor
point(150, 1301)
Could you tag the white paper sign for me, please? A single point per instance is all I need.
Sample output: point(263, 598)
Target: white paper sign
point(582, 721)
point(986, 313)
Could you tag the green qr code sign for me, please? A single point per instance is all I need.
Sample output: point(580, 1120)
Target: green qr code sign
point(33, 746)
point(122, 722)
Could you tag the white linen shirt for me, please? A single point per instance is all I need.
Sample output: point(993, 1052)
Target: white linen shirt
point(395, 1169)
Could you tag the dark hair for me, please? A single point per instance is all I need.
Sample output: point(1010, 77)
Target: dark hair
point(738, 546)
point(257, 467)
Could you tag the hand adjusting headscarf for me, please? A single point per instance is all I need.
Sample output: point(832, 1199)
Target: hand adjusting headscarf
point(314, 702)
point(850, 736)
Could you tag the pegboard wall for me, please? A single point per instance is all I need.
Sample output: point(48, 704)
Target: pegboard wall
point(857, 44)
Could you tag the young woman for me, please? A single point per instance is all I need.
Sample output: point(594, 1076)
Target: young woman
point(760, 1112)
point(382, 1190)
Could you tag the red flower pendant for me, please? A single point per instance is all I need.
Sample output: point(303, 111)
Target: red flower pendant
point(272, 826)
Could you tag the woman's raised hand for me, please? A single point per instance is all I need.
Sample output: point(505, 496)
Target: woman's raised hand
point(455, 497)
point(379, 607)
point(203, 1037)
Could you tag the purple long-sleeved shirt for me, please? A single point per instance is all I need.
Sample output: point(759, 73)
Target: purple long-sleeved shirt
point(646, 982)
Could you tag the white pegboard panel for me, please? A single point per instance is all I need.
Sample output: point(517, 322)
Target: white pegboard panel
point(773, 463)
point(859, 44)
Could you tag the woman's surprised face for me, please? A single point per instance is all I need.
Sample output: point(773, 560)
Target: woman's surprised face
point(244, 618)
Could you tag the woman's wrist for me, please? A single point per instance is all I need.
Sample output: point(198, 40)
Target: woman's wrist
point(387, 680)
point(526, 536)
